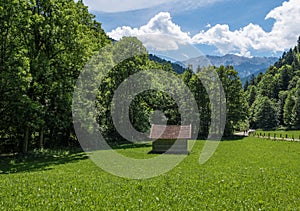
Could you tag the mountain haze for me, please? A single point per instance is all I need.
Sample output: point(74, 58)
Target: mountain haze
point(244, 65)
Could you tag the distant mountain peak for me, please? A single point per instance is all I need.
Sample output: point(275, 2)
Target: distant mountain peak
point(245, 66)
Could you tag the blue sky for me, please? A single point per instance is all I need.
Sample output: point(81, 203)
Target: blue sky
point(216, 27)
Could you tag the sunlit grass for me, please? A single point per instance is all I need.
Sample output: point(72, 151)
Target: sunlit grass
point(246, 174)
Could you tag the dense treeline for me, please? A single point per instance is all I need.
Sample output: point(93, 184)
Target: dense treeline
point(46, 43)
point(274, 97)
point(142, 111)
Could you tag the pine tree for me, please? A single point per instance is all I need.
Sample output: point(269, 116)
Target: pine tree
point(265, 116)
point(288, 108)
point(296, 108)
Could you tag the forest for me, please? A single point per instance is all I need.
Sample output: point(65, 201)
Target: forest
point(45, 45)
point(274, 97)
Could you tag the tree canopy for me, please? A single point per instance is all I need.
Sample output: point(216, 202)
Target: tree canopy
point(278, 87)
point(46, 44)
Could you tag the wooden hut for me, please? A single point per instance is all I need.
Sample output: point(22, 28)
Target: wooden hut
point(170, 137)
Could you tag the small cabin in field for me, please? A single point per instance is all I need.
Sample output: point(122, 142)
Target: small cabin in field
point(170, 137)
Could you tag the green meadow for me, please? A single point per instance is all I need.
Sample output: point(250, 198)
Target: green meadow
point(243, 174)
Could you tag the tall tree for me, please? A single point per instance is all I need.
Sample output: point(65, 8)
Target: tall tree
point(237, 107)
point(14, 70)
point(281, 102)
point(45, 44)
point(288, 108)
point(265, 116)
point(251, 95)
point(296, 107)
point(284, 77)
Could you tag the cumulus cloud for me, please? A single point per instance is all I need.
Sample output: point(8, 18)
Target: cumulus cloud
point(283, 35)
point(286, 28)
point(227, 41)
point(160, 33)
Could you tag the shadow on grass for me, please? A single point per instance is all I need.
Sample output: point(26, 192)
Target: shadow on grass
point(149, 144)
point(132, 146)
point(234, 138)
point(39, 160)
point(42, 160)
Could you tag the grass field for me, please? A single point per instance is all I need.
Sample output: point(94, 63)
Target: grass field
point(245, 174)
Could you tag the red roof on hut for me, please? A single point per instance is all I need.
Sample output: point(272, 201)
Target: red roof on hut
point(171, 132)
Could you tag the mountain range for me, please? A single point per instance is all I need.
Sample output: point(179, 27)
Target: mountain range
point(244, 65)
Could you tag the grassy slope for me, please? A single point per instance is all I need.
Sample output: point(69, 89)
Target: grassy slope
point(242, 174)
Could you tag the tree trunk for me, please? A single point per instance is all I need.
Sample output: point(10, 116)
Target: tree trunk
point(41, 139)
point(26, 140)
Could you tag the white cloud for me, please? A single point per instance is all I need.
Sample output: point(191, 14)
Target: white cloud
point(160, 33)
point(228, 41)
point(286, 28)
point(283, 35)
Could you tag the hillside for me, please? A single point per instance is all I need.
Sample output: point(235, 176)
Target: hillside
point(177, 67)
point(274, 97)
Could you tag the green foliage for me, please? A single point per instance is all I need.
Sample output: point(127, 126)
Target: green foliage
point(279, 84)
point(296, 108)
point(288, 107)
point(248, 174)
point(281, 104)
point(176, 67)
point(44, 46)
point(265, 113)
point(202, 99)
point(237, 107)
point(251, 95)
point(144, 104)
